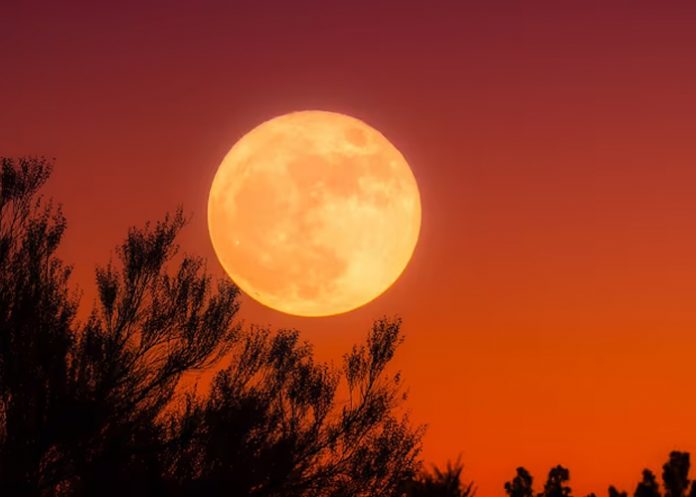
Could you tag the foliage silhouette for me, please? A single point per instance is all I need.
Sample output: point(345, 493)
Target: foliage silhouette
point(149, 327)
point(614, 492)
point(648, 486)
point(675, 476)
point(521, 485)
point(36, 319)
point(555, 485)
point(282, 405)
point(441, 483)
point(97, 408)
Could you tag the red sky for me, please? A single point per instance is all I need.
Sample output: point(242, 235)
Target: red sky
point(549, 307)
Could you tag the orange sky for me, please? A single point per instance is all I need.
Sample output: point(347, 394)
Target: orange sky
point(549, 306)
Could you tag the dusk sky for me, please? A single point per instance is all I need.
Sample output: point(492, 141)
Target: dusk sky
point(549, 307)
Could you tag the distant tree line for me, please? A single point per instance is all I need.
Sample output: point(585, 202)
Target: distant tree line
point(675, 482)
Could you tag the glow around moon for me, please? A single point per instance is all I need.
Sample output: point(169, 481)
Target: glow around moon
point(314, 213)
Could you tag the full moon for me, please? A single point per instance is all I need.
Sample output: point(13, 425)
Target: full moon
point(314, 213)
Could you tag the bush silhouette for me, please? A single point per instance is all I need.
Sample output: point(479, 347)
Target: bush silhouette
point(96, 408)
point(555, 485)
point(648, 486)
point(520, 485)
point(441, 483)
point(613, 492)
point(675, 474)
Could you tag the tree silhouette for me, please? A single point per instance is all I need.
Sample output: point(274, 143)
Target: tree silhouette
point(613, 492)
point(521, 484)
point(149, 327)
point(97, 408)
point(441, 483)
point(290, 437)
point(36, 318)
point(555, 483)
point(675, 474)
point(675, 480)
point(648, 486)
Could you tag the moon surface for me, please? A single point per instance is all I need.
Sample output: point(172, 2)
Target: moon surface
point(314, 213)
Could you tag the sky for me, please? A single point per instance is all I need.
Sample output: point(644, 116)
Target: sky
point(549, 305)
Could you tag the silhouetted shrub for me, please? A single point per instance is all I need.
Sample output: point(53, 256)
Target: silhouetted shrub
point(441, 483)
point(648, 486)
point(675, 474)
point(555, 485)
point(613, 492)
point(521, 484)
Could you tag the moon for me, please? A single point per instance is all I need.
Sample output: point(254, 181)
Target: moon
point(314, 213)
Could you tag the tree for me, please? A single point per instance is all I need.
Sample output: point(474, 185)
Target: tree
point(441, 483)
point(675, 474)
point(613, 492)
point(36, 319)
point(521, 484)
point(97, 408)
point(77, 405)
point(648, 486)
point(555, 483)
point(149, 328)
point(290, 436)
point(675, 477)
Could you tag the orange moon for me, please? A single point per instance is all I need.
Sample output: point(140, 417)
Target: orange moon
point(314, 213)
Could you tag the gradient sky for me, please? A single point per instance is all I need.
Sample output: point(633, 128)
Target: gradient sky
point(549, 307)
